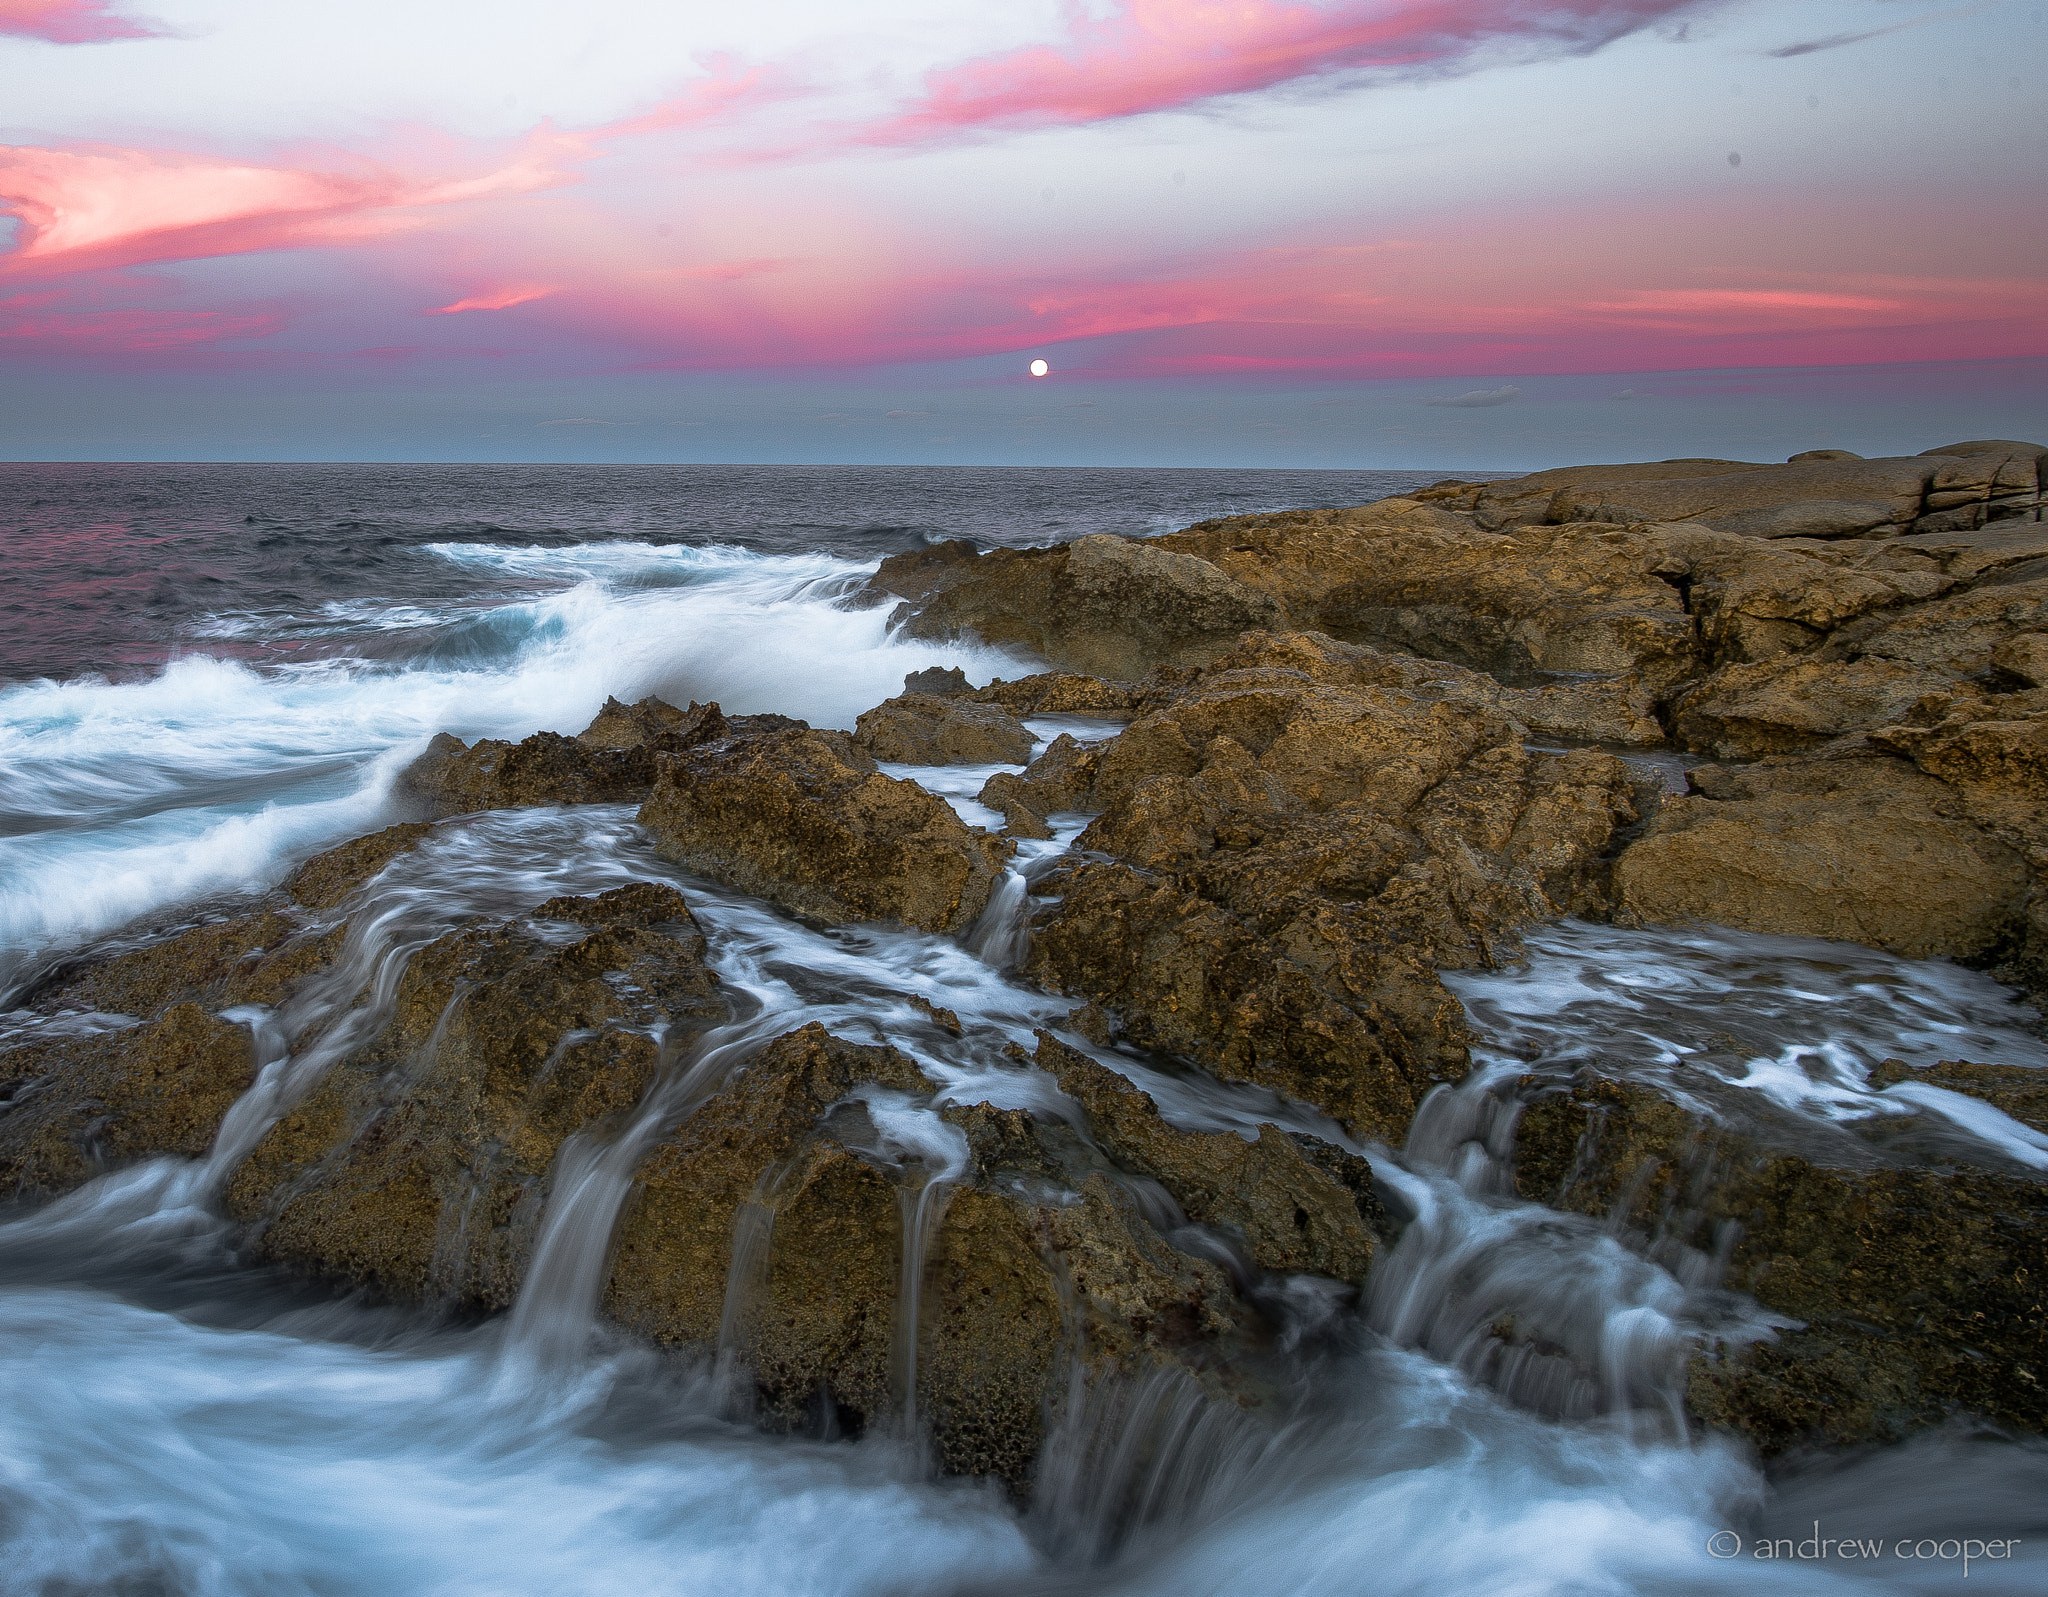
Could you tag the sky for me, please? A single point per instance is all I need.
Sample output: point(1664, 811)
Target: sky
point(1358, 233)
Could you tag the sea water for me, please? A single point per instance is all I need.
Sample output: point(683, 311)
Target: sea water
point(173, 1420)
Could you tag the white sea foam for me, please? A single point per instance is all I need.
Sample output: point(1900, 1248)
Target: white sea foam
point(118, 799)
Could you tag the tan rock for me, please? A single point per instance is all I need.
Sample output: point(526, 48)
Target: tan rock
point(917, 729)
point(1863, 850)
point(418, 1164)
point(1060, 693)
point(1285, 1211)
point(652, 721)
point(326, 879)
point(2024, 655)
point(784, 815)
point(1746, 712)
point(1958, 633)
point(75, 1106)
point(1101, 605)
point(768, 1219)
point(1311, 830)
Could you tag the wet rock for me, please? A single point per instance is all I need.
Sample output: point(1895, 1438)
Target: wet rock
point(770, 1223)
point(918, 729)
point(1102, 605)
point(787, 816)
point(938, 682)
point(418, 1164)
point(1302, 838)
point(1286, 1212)
point(599, 766)
point(2020, 1091)
point(654, 722)
point(1918, 1290)
point(454, 778)
point(1062, 693)
point(74, 1106)
point(1865, 850)
point(244, 959)
point(326, 879)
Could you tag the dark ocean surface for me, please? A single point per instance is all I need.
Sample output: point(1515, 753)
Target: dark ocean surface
point(112, 568)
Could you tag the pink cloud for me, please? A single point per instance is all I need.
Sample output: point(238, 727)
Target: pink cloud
point(498, 299)
point(1159, 55)
point(103, 206)
point(37, 331)
point(67, 22)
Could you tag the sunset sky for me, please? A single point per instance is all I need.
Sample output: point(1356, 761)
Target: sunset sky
point(1241, 232)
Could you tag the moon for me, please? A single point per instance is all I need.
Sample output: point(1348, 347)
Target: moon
point(1039, 368)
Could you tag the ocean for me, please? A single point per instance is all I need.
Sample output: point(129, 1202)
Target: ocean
point(210, 672)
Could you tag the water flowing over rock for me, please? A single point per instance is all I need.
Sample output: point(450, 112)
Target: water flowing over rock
point(1060, 1157)
point(71, 1107)
point(1914, 1292)
point(1303, 835)
point(417, 1162)
point(771, 1224)
point(788, 816)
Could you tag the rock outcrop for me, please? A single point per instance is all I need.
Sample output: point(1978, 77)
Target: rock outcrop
point(1301, 836)
point(772, 1222)
point(1862, 850)
point(1330, 773)
point(74, 1106)
point(920, 729)
point(787, 816)
point(418, 1164)
point(612, 761)
point(1916, 1292)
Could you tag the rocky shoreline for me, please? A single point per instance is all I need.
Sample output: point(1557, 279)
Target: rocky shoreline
point(1349, 751)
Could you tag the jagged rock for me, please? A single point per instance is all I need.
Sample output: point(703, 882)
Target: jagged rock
point(1865, 850)
point(1646, 606)
point(786, 816)
point(917, 729)
point(1404, 575)
point(1286, 1212)
point(243, 959)
point(1102, 605)
point(611, 761)
point(652, 721)
point(2024, 655)
point(1959, 633)
point(938, 682)
point(74, 1106)
point(1304, 836)
point(1746, 712)
point(454, 778)
point(326, 879)
point(1061, 693)
point(1043, 1258)
point(1918, 1290)
point(417, 1165)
